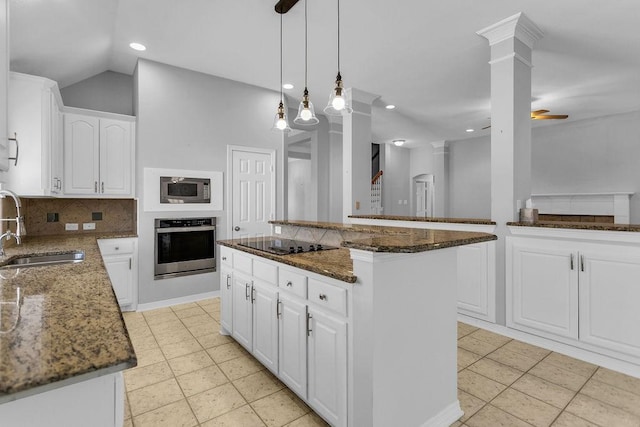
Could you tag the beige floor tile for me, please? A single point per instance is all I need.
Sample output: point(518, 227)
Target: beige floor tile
point(622, 381)
point(141, 377)
point(213, 340)
point(207, 328)
point(466, 358)
point(490, 416)
point(469, 404)
point(154, 396)
point(257, 386)
point(569, 420)
point(479, 386)
point(127, 408)
point(476, 346)
point(570, 364)
point(215, 402)
point(144, 343)
point(600, 413)
point(490, 337)
point(525, 349)
point(215, 315)
point(613, 396)
point(177, 414)
point(225, 352)
point(456, 424)
point(153, 318)
point(240, 417)
point(201, 380)
point(172, 337)
point(137, 326)
point(149, 357)
point(310, 420)
point(190, 362)
point(279, 408)
point(173, 325)
point(526, 408)
point(139, 333)
point(544, 390)
point(496, 371)
point(199, 318)
point(558, 376)
point(184, 306)
point(514, 360)
point(128, 423)
point(240, 367)
point(464, 329)
point(188, 346)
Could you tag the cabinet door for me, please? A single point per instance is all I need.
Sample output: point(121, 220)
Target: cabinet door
point(293, 344)
point(226, 299)
point(4, 84)
point(241, 311)
point(327, 347)
point(542, 287)
point(265, 325)
point(609, 298)
point(115, 157)
point(120, 269)
point(56, 147)
point(475, 281)
point(81, 154)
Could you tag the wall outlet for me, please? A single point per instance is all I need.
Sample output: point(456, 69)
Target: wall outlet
point(71, 227)
point(89, 226)
point(277, 229)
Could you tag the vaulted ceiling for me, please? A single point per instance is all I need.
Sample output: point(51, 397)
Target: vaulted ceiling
point(422, 55)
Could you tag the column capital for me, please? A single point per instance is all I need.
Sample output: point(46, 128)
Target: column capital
point(362, 96)
point(518, 26)
point(440, 147)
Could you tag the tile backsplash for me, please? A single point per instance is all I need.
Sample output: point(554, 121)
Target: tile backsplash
point(118, 215)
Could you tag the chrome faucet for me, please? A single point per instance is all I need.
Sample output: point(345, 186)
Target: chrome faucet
point(19, 219)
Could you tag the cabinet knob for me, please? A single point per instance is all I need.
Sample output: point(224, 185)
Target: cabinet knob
point(117, 248)
point(323, 297)
point(224, 258)
point(289, 284)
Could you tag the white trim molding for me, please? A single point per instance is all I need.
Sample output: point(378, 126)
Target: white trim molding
point(615, 204)
point(518, 26)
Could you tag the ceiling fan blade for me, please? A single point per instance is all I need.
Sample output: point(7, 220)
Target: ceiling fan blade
point(551, 117)
point(538, 112)
point(486, 127)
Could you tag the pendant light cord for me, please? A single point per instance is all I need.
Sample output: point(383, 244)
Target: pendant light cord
point(338, 36)
point(281, 96)
point(306, 61)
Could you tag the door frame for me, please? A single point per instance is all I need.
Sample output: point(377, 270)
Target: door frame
point(230, 150)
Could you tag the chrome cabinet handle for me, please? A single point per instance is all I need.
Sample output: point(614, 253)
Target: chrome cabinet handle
point(323, 297)
point(278, 312)
point(129, 263)
point(103, 186)
point(228, 277)
point(581, 262)
point(95, 186)
point(572, 261)
point(309, 317)
point(246, 291)
point(253, 294)
point(289, 284)
point(15, 138)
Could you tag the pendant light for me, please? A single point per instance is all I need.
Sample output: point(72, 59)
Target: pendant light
point(338, 103)
point(306, 113)
point(280, 122)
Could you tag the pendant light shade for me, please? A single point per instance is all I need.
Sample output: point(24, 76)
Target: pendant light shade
point(280, 122)
point(338, 102)
point(306, 113)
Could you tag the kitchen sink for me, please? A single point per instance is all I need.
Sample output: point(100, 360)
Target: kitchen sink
point(37, 260)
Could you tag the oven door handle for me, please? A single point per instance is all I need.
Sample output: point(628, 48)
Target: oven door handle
point(183, 229)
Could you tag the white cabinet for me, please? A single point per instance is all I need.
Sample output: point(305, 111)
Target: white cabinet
point(293, 344)
point(98, 154)
point(327, 349)
point(242, 309)
point(265, 324)
point(584, 293)
point(4, 84)
point(120, 260)
point(226, 299)
point(34, 117)
point(476, 280)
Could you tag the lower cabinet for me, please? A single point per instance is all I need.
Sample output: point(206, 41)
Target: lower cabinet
point(304, 344)
point(582, 293)
point(476, 280)
point(120, 259)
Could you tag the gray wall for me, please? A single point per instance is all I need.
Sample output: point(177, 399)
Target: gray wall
point(470, 178)
point(108, 91)
point(185, 121)
point(396, 180)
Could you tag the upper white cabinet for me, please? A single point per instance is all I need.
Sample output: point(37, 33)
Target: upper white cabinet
point(4, 83)
point(34, 117)
point(98, 154)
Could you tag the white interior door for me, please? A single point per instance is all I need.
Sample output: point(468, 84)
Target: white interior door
point(252, 192)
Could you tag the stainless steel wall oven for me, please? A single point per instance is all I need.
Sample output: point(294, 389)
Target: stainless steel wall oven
point(184, 246)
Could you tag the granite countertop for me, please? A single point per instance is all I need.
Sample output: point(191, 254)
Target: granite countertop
point(418, 240)
point(579, 225)
point(70, 323)
point(427, 219)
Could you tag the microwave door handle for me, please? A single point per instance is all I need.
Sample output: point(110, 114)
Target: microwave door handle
point(183, 229)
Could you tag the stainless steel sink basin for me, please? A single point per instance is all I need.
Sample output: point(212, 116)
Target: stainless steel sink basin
point(37, 260)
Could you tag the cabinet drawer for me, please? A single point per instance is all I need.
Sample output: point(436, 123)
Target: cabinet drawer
point(116, 246)
point(225, 255)
point(293, 282)
point(264, 271)
point(242, 262)
point(328, 296)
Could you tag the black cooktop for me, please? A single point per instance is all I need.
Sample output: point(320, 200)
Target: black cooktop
point(285, 246)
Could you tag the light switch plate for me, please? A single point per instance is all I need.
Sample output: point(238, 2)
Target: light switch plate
point(89, 226)
point(71, 227)
point(277, 229)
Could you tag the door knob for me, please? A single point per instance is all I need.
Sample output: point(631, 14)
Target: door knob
point(236, 228)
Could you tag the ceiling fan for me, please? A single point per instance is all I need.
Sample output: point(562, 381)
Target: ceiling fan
point(542, 115)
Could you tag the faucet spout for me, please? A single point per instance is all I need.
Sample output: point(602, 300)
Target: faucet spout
point(20, 230)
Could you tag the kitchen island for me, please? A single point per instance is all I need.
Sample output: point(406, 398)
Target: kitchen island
point(364, 334)
point(63, 342)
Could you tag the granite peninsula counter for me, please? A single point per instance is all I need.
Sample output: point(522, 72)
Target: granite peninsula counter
point(70, 327)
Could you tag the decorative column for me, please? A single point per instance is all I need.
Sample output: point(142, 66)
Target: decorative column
point(441, 178)
point(335, 168)
point(356, 155)
point(511, 42)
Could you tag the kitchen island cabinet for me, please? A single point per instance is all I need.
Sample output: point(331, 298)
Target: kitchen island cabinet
point(357, 326)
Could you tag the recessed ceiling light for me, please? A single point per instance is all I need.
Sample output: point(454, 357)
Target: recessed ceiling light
point(398, 142)
point(287, 86)
point(390, 107)
point(137, 46)
point(470, 130)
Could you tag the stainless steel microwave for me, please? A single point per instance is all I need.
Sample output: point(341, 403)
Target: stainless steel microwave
point(184, 190)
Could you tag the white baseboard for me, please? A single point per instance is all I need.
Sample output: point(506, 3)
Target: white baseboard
point(608, 362)
point(175, 301)
point(446, 417)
